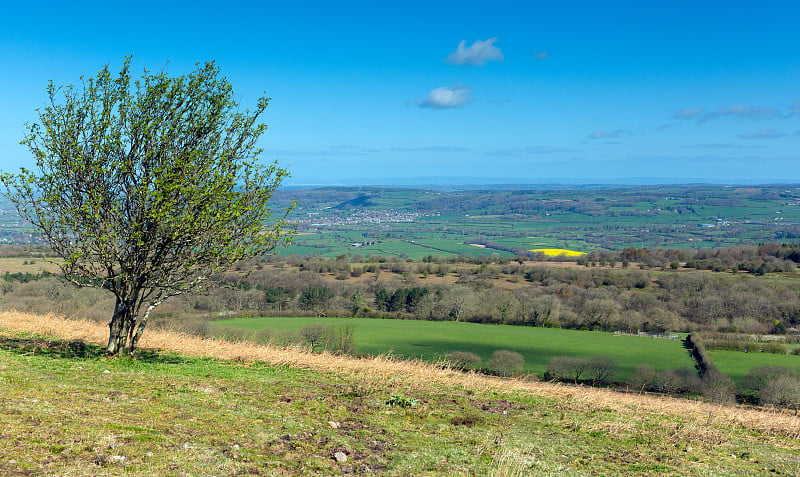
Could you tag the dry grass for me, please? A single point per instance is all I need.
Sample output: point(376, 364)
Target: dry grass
point(28, 265)
point(704, 419)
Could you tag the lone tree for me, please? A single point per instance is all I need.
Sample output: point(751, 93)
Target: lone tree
point(147, 188)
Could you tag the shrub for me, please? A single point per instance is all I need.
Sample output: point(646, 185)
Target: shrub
point(316, 336)
point(783, 391)
point(601, 369)
point(464, 360)
point(677, 380)
point(506, 363)
point(564, 367)
point(716, 387)
point(232, 333)
point(758, 377)
point(342, 340)
point(263, 336)
point(728, 345)
point(642, 377)
point(690, 381)
point(751, 348)
point(774, 347)
point(286, 338)
point(775, 385)
point(698, 350)
point(667, 381)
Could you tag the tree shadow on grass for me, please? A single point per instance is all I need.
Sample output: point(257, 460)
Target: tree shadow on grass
point(71, 349)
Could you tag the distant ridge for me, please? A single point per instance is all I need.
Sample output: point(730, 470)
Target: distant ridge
point(516, 183)
point(463, 184)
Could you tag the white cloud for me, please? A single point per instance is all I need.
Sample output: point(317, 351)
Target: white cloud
point(429, 149)
point(547, 150)
point(687, 113)
point(540, 55)
point(452, 96)
point(600, 134)
point(724, 145)
point(742, 111)
point(666, 126)
point(353, 149)
point(476, 55)
point(530, 150)
point(597, 134)
point(795, 107)
point(763, 134)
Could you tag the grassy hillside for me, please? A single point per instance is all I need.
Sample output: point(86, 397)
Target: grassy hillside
point(432, 340)
point(201, 407)
point(737, 364)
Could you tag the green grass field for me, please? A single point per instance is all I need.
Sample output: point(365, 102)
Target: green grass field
point(737, 364)
point(431, 340)
point(413, 244)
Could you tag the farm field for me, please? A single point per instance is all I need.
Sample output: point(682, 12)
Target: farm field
point(555, 252)
point(432, 340)
point(27, 265)
point(736, 364)
point(414, 223)
point(409, 243)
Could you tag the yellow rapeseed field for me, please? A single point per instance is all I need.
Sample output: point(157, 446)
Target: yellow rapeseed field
point(555, 252)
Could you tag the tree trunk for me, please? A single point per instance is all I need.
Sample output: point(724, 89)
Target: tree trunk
point(118, 334)
point(136, 332)
point(119, 328)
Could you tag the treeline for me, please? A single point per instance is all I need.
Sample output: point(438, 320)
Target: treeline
point(530, 295)
point(604, 371)
point(510, 292)
point(758, 260)
point(779, 343)
point(624, 297)
point(754, 259)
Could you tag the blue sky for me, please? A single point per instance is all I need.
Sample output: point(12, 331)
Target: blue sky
point(380, 92)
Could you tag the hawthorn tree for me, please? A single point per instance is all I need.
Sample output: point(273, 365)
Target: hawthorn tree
point(147, 188)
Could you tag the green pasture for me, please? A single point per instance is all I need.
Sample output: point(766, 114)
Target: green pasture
point(430, 340)
point(736, 364)
point(424, 244)
point(576, 236)
point(577, 220)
